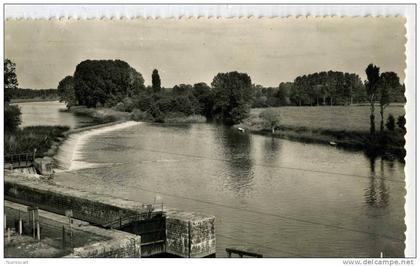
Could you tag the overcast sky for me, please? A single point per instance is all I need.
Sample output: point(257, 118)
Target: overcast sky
point(191, 51)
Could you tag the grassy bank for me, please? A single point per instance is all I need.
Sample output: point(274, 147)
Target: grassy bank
point(41, 138)
point(107, 115)
point(348, 118)
point(100, 115)
point(317, 128)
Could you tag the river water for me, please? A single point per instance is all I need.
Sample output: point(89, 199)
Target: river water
point(282, 198)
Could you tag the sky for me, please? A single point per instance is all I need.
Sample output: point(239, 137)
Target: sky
point(270, 50)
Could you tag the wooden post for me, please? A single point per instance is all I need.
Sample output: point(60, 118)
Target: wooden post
point(38, 231)
point(20, 223)
point(69, 213)
point(71, 233)
point(8, 234)
point(63, 238)
point(189, 239)
point(33, 223)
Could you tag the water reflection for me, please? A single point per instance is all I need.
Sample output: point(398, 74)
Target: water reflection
point(271, 150)
point(377, 194)
point(237, 153)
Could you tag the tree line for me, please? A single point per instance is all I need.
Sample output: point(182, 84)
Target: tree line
point(114, 83)
point(321, 88)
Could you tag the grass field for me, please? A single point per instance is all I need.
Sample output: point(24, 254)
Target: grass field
point(349, 118)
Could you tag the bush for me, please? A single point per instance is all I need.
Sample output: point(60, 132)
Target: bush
point(29, 138)
point(401, 122)
point(138, 115)
point(390, 123)
point(12, 118)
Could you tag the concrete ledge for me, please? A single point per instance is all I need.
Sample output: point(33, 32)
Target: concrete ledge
point(187, 234)
point(90, 241)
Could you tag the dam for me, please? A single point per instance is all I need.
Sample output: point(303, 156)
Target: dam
point(156, 230)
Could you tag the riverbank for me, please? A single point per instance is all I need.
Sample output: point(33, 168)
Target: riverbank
point(388, 144)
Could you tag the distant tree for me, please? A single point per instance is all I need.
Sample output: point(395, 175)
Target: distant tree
point(105, 82)
point(10, 79)
point(372, 73)
point(389, 81)
point(232, 96)
point(66, 91)
point(156, 81)
point(35, 93)
point(271, 119)
point(401, 122)
point(390, 124)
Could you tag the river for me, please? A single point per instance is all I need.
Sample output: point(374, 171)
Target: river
point(283, 198)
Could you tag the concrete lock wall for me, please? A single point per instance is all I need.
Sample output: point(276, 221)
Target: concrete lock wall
point(187, 234)
point(84, 207)
point(129, 248)
point(190, 235)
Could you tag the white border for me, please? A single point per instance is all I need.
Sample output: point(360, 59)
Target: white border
point(229, 10)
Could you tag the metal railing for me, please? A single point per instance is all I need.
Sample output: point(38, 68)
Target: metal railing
point(20, 160)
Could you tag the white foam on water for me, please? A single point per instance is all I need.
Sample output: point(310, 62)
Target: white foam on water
point(70, 155)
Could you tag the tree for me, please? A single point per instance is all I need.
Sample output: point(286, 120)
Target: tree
point(105, 82)
point(12, 118)
point(204, 95)
point(156, 81)
point(66, 91)
point(401, 122)
point(390, 124)
point(372, 73)
point(389, 81)
point(271, 119)
point(232, 95)
point(10, 79)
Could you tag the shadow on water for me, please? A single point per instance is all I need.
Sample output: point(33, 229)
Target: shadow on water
point(237, 154)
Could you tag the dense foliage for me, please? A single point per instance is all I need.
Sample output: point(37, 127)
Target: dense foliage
point(12, 118)
point(29, 138)
point(232, 96)
point(332, 88)
point(12, 114)
point(105, 82)
point(156, 81)
point(10, 79)
point(66, 91)
point(229, 98)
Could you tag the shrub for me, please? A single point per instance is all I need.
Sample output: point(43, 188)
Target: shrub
point(139, 115)
point(390, 123)
point(401, 122)
point(29, 138)
point(12, 118)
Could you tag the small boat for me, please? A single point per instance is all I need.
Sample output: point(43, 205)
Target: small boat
point(241, 129)
point(332, 143)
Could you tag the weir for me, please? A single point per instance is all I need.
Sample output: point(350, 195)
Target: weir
point(163, 231)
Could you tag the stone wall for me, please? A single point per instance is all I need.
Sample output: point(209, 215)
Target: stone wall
point(127, 248)
point(190, 235)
